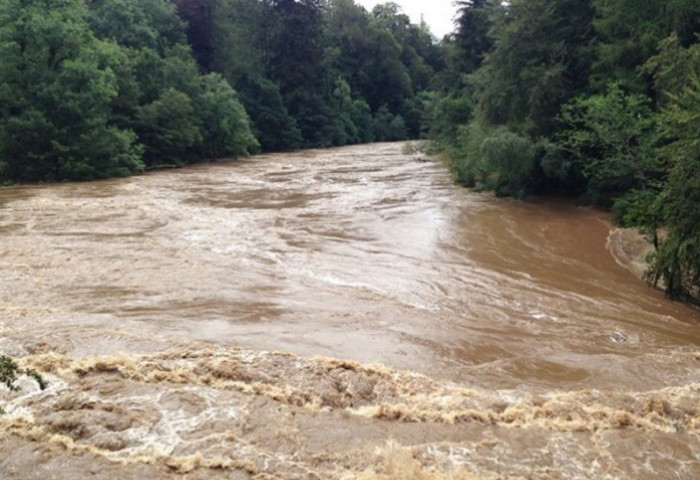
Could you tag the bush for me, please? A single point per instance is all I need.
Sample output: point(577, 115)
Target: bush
point(10, 372)
point(494, 159)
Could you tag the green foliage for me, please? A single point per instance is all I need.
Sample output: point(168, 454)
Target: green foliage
point(611, 140)
point(55, 97)
point(464, 154)
point(294, 61)
point(388, 127)
point(272, 125)
point(225, 124)
point(199, 16)
point(629, 32)
point(678, 260)
point(341, 129)
point(641, 209)
point(10, 373)
point(445, 115)
point(494, 159)
point(91, 89)
point(471, 37)
point(540, 59)
point(387, 62)
point(168, 127)
point(508, 159)
point(361, 117)
point(150, 24)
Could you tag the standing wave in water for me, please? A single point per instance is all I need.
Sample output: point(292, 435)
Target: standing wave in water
point(343, 313)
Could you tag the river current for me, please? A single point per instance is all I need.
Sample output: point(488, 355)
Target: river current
point(344, 313)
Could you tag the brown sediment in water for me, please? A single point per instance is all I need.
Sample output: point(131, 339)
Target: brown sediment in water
point(630, 249)
point(192, 324)
point(259, 413)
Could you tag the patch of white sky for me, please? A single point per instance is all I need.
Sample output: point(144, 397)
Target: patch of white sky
point(438, 14)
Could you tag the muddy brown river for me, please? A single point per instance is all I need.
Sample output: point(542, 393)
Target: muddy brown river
point(334, 314)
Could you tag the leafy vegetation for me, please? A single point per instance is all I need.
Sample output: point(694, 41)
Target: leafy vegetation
point(317, 73)
point(10, 373)
point(101, 88)
point(593, 98)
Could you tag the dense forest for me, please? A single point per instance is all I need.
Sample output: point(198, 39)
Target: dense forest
point(593, 99)
point(100, 88)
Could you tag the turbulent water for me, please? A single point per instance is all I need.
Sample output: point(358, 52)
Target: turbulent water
point(342, 313)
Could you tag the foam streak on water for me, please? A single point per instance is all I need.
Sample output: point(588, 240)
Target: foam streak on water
point(483, 338)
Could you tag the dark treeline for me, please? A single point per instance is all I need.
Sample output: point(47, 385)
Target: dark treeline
point(101, 88)
point(316, 73)
point(597, 99)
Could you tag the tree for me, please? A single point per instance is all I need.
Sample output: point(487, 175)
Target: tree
point(388, 127)
point(629, 31)
point(225, 124)
point(169, 129)
point(55, 96)
point(272, 125)
point(200, 17)
point(137, 24)
point(294, 54)
point(540, 59)
point(471, 36)
point(611, 139)
point(677, 261)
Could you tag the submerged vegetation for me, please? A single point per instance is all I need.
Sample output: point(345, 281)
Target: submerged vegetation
point(10, 373)
point(595, 99)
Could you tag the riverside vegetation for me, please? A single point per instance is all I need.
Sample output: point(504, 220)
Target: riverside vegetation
point(10, 372)
point(595, 99)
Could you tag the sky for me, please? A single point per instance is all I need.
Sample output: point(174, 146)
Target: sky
point(438, 14)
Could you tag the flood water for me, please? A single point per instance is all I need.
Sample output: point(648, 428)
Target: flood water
point(344, 313)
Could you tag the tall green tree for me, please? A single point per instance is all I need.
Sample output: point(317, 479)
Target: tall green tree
point(629, 31)
point(55, 96)
point(200, 17)
point(677, 261)
point(272, 125)
point(611, 140)
point(225, 126)
point(144, 24)
point(540, 59)
point(471, 37)
point(294, 61)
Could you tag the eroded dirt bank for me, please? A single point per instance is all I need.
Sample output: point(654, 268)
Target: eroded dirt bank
point(429, 332)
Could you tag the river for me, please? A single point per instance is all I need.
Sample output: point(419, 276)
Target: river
point(344, 313)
